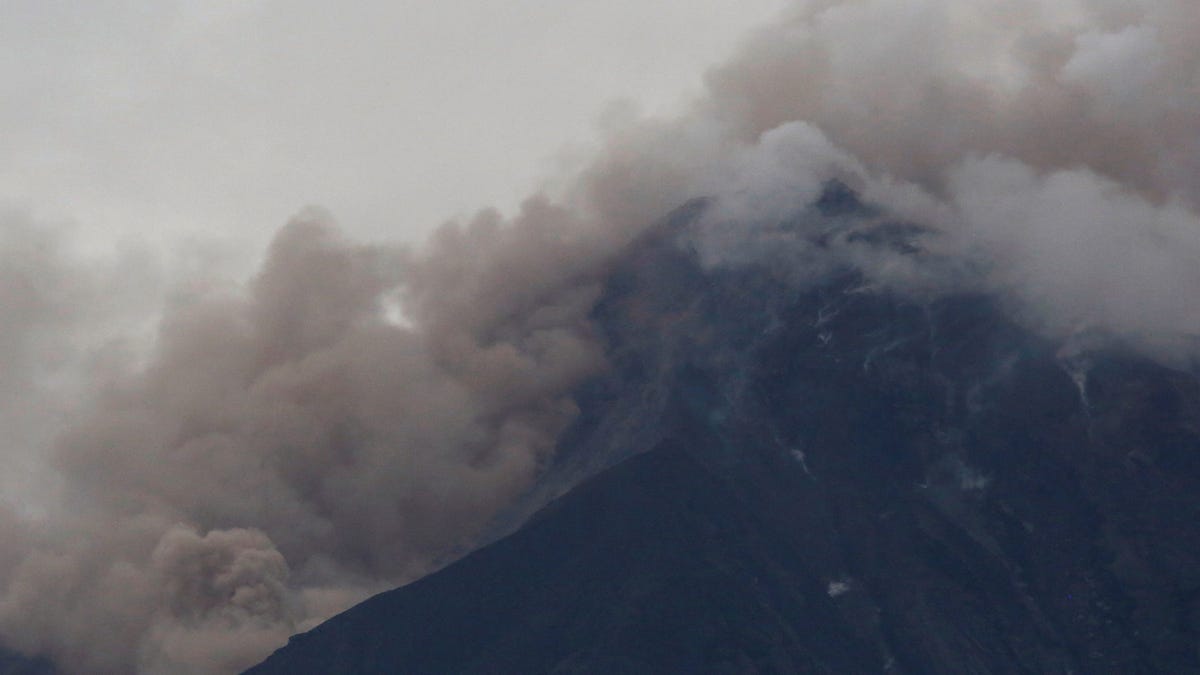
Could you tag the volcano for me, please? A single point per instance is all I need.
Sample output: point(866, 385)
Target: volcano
point(786, 471)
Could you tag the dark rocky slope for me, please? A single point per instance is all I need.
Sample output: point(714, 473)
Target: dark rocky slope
point(12, 663)
point(822, 476)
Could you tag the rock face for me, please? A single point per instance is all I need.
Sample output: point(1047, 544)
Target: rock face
point(820, 477)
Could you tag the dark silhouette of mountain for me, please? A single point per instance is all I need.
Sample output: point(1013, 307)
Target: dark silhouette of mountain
point(582, 587)
point(784, 475)
point(12, 663)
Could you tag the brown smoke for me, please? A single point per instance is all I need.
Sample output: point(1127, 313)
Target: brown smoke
point(290, 436)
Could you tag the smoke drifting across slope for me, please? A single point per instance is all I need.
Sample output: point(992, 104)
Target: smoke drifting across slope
point(353, 414)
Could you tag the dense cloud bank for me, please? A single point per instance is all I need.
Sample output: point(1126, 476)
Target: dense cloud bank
point(352, 415)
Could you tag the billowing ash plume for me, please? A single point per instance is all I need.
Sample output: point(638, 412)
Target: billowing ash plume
point(290, 447)
point(354, 414)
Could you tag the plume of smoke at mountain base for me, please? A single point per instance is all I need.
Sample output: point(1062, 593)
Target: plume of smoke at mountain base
point(289, 446)
point(292, 437)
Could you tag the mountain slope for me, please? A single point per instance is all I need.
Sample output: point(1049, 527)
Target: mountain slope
point(654, 566)
point(12, 663)
point(821, 475)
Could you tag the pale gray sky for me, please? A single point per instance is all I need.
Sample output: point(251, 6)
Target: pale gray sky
point(217, 118)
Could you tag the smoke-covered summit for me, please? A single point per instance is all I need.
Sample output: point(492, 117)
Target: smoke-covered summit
point(354, 416)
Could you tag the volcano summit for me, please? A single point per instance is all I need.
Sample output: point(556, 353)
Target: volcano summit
point(821, 474)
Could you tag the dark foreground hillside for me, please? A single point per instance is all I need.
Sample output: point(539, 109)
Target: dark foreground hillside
point(822, 476)
point(12, 663)
point(655, 566)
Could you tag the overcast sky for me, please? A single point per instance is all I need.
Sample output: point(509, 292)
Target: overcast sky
point(221, 118)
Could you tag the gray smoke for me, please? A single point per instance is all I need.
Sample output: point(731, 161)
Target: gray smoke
point(350, 417)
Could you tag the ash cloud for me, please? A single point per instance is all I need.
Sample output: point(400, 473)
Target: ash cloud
point(287, 449)
point(350, 417)
point(1053, 147)
point(911, 88)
